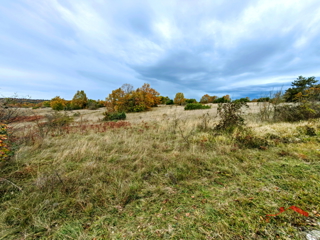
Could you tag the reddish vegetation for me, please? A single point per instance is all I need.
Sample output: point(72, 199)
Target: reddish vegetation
point(32, 133)
point(101, 127)
point(27, 118)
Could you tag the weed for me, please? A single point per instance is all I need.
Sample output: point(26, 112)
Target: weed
point(204, 124)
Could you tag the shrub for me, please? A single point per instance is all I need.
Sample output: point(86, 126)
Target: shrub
point(194, 106)
point(5, 151)
point(192, 100)
point(46, 104)
point(110, 116)
point(307, 130)
point(242, 100)
point(170, 102)
point(247, 139)
point(292, 113)
point(92, 104)
point(8, 113)
point(55, 123)
point(58, 103)
point(230, 114)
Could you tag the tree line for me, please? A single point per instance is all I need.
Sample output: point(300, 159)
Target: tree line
point(128, 99)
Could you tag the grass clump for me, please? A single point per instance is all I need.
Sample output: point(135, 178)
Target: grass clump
point(194, 106)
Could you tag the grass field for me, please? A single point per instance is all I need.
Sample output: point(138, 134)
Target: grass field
point(163, 174)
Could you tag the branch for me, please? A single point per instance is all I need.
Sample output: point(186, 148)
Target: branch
point(6, 180)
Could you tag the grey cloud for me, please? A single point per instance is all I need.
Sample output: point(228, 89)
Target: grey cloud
point(190, 46)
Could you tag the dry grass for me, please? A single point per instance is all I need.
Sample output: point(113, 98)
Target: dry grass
point(166, 175)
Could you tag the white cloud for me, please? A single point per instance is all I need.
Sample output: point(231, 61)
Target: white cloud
point(174, 45)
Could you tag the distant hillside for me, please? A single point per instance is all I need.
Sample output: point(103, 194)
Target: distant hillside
point(22, 100)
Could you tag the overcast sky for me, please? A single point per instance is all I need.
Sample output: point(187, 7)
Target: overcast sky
point(243, 48)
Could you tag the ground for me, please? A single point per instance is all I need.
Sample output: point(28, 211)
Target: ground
point(162, 174)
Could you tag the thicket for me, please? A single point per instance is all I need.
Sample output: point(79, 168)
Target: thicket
point(194, 106)
point(298, 103)
point(79, 101)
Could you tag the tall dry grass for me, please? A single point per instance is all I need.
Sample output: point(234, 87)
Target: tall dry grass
point(164, 174)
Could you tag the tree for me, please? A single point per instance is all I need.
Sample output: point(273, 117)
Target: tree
point(208, 99)
point(179, 99)
point(115, 101)
point(300, 85)
point(127, 88)
point(125, 99)
point(79, 100)
point(246, 99)
point(191, 100)
point(224, 99)
point(150, 96)
point(164, 100)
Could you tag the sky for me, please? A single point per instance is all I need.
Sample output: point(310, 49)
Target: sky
point(217, 47)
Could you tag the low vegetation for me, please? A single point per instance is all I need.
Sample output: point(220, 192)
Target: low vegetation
point(114, 116)
point(163, 174)
point(194, 106)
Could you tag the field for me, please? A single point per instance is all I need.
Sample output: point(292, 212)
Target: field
point(162, 174)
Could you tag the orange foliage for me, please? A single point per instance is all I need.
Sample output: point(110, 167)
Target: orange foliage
point(125, 99)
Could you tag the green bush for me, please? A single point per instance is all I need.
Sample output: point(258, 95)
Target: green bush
point(194, 106)
point(110, 116)
point(192, 100)
point(92, 104)
point(169, 102)
point(57, 120)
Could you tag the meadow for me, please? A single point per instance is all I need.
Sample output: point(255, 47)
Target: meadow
point(161, 174)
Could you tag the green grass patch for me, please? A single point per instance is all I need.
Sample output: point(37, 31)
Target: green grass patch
point(161, 180)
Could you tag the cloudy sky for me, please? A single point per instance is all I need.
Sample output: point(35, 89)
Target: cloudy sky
point(242, 48)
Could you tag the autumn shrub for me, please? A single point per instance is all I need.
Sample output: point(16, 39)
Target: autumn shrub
point(5, 149)
point(58, 103)
point(194, 106)
point(111, 116)
point(231, 116)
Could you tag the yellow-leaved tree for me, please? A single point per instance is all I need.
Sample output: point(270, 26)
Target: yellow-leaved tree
point(179, 99)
